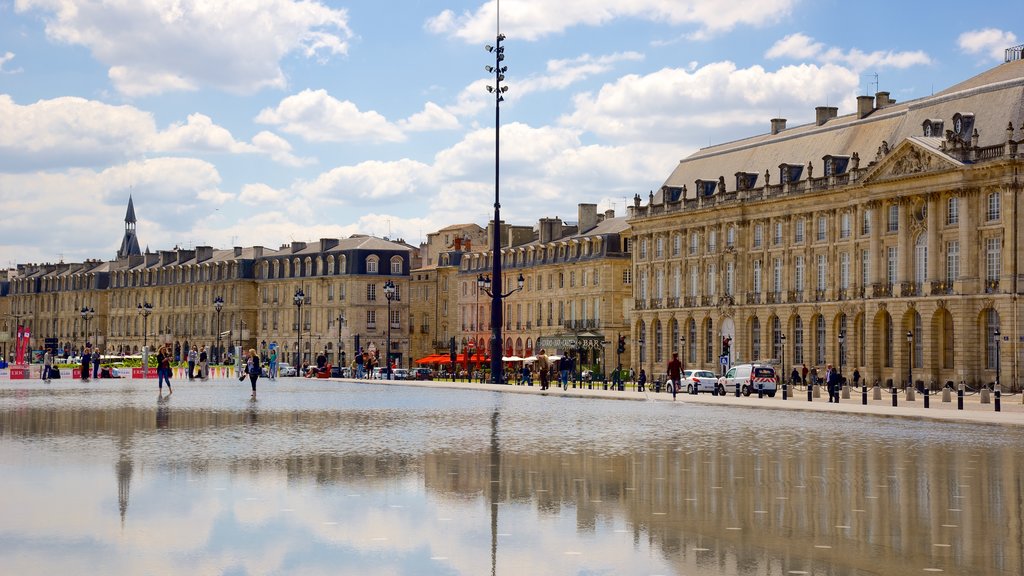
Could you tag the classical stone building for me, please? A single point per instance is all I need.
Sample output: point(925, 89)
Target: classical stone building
point(886, 240)
point(169, 297)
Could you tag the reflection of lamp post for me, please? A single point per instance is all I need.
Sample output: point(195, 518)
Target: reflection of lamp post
point(145, 309)
point(299, 299)
point(485, 283)
point(910, 356)
point(87, 314)
point(218, 304)
point(996, 336)
point(389, 293)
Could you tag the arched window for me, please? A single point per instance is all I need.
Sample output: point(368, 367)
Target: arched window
point(991, 325)
point(397, 264)
point(372, 264)
point(921, 260)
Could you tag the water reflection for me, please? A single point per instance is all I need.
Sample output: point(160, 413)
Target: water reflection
point(366, 479)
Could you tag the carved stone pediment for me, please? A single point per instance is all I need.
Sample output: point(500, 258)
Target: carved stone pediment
point(910, 158)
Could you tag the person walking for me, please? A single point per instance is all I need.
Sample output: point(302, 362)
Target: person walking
point(675, 369)
point(47, 365)
point(252, 368)
point(856, 378)
point(193, 357)
point(564, 364)
point(794, 377)
point(832, 382)
point(204, 363)
point(641, 380)
point(804, 374)
point(96, 363)
point(543, 365)
point(163, 369)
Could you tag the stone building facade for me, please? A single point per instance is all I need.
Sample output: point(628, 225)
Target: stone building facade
point(886, 240)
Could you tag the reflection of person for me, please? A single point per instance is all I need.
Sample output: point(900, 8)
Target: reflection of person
point(163, 412)
point(252, 368)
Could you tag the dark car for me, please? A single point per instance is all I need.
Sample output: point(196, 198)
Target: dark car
point(422, 374)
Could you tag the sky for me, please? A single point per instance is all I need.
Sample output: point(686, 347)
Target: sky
point(261, 122)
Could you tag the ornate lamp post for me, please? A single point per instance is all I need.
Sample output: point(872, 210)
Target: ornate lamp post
point(87, 314)
point(486, 284)
point(842, 350)
point(996, 335)
point(218, 305)
point(341, 343)
point(299, 299)
point(640, 341)
point(391, 294)
point(782, 340)
point(496, 295)
point(145, 309)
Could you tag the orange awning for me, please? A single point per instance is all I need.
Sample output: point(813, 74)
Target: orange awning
point(434, 359)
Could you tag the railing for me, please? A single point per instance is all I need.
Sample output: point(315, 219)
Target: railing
point(586, 324)
point(794, 296)
point(773, 298)
point(371, 325)
point(819, 296)
point(991, 286)
point(639, 305)
point(879, 290)
point(672, 302)
point(842, 294)
point(940, 288)
point(690, 301)
point(655, 303)
point(707, 300)
point(910, 289)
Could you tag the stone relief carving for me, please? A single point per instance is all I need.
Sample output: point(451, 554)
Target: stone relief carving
point(911, 162)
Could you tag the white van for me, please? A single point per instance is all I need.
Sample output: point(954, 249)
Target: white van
point(749, 377)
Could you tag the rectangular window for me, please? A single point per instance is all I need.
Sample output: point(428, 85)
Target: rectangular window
point(693, 281)
point(777, 275)
point(371, 266)
point(712, 280)
point(890, 265)
point(712, 241)
point(693, 242)
point(758, 235)
point(572, 279)
point(798, 273)
point(952, 261)
point(844, 271)
point(757, 276)
point(822, 222)
point(627, 277)
point(643, 249)
point(396, 318)
point(777, 237)
point(952, 210)
point(677, 244)
point(893, 223)
point(396, 266)
point(371, 292)
point(844, 225)
point(730, 269)
point(993, 258)
point(822, 271)
point(371, 319)
point(730, 237)
point(659, 247)
point(994, 206)
point(798, 231)
point(865, 224)
point(330, 292)
point(865, 268)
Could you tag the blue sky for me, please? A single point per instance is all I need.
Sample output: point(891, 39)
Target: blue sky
point(259, 122)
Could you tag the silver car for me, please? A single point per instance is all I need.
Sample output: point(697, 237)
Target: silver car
point(286, 369)
point(703, 380)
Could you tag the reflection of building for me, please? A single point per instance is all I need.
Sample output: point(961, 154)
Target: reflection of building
point(339, 277)
point(895, 228)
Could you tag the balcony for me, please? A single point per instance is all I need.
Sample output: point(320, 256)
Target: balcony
point(940, 288)
point(655, 303)
point(910, 289)
point(639, 305)
point(707, 301)
point(843, 294)
point(991, 286)
point(879, 290)
point(795, 296)
point(589, 324)
point(774, 297)
point(819, 296)
point(753, 297)
point(690, 301)
point(672, 302)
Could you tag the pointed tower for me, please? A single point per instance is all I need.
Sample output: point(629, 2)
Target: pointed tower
point(130, 244)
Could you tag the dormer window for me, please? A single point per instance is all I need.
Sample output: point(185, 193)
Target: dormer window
point(835, 165)
point(932, 128)
point(706, 187)
point(963, 126)
point(790, 172)
point(746, 180)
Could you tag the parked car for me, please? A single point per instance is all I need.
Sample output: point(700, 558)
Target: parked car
point(703, 381)
point(286, 369)
point(400, 374)
point(422, 374)
point(341, 372)
point(750, 377)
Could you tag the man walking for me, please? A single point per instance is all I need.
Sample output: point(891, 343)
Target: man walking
point(832, 382)
point(675, 369)
point(47, 365)
point(204, 362)
point(542, 367)
point(193, 356)
point(563, 368)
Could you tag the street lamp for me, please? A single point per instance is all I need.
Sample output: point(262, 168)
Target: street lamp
point(486, 284)
point(996, 335)
point(87, 314)
point(145, 309)
point(842, 350)
point(640, 341)
point(391, 294)
point(299, 299)
point(341, 344)
point(682, 354)
point(498, 89)
point(910, 356)
point(218, 304)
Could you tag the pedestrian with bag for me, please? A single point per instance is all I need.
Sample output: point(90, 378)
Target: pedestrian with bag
point(47, 365)
point(641, 381)
point(253, 369)
point(193, 357)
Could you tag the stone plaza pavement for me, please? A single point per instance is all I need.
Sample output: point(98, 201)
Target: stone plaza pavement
point(1011, 409)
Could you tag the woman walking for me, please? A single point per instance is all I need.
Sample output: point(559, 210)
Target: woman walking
point(163, 369)
point(252, 368)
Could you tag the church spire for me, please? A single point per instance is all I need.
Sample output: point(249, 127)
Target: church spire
point(130, 244)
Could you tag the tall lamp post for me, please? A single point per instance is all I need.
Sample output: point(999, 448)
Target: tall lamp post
point(996, 335)
point(299, 299)
point(910, 356)
point(492, 287)
point(497, 377)
point(391, 294)
point(782, 340)
point(341, 343)
point(218, 305)
point(640, 341)
point(87, 314)
point(145, 309)
point(842, 349)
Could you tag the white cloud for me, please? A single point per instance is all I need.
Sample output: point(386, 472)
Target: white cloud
point(534, 20)
point(799, 46)
point(991, 42)
point(156, 46)
point(433, 117)
point(317, 116)
point(717, 101)
point(4, 59)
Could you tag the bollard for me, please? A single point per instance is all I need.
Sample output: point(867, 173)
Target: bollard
point(817, 391)
point(925, 397)
point(760, 390)
point(894, 397)
point(947, 394)
point(864, 393)
point(876, 393)
point(737, 389)
point(911, 396)
point(846, 391)
point(997, 394)
point(984, 395)
point(785, 389)
point(960, 396)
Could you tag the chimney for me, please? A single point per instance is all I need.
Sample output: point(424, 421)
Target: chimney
point(550, 229)
point(609, 214)
point(297, 246)
point(327, 243)
point(458, 243)
point(257, 252)
point(167, 257)
point(237, 251)
point(882, 100)
point(778, 125)
point(823, 114)
point(203, 253)
point(587, 214)
point(865, 106)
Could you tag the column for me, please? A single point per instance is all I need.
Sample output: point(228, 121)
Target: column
point(969, 253)
point(905, 246)
point(935, 256)
point(875, 245)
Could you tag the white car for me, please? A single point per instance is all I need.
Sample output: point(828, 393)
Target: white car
point(286, 369)
point(703, 381)
point(750, 378)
